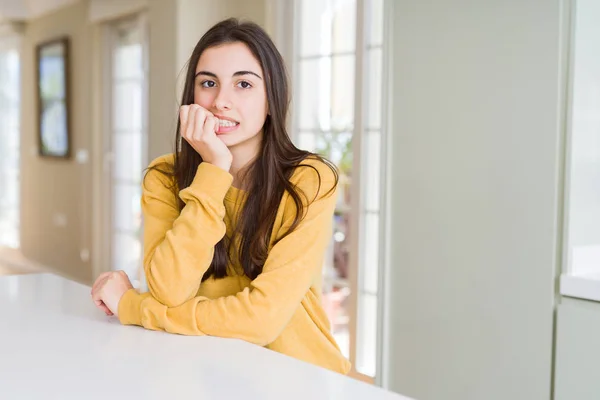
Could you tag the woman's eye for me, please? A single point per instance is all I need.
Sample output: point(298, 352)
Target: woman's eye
point(244, 85)
point(208, 84)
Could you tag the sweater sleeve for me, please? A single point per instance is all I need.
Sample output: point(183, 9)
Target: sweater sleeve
point(179, 247)
point(259, 313)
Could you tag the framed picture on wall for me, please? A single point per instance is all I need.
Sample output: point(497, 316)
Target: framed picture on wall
point(52, 68)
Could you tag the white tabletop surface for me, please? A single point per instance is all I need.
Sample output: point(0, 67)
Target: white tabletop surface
point(54, 344)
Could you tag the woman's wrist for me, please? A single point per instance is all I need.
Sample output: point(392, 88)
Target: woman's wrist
point(223, 164)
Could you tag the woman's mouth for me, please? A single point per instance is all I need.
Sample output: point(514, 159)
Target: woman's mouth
point(226, 126)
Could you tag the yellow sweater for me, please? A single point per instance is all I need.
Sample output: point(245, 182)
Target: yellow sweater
point(280, 309)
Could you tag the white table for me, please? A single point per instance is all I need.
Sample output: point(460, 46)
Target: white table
point(55, 344)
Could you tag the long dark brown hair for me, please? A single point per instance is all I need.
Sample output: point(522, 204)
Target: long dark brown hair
point(268, 175)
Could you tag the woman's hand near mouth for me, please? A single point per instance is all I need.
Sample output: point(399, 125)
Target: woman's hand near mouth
point(199, 128)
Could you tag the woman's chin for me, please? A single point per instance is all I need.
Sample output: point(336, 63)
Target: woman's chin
point(234, 139)
point(229, 140)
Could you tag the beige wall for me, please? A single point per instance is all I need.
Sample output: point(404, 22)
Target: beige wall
point(196, 16)
point(67, 190)
point(52, 188)
point(162, 21)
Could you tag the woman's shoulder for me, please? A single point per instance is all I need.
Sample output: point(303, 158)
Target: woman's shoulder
point(167, 160)
point(159, 174)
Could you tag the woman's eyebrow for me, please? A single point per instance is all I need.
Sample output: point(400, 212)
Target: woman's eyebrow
point(238, 73)
point(205, 73)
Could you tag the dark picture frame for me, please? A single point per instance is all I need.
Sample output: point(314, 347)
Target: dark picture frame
point(52, 78)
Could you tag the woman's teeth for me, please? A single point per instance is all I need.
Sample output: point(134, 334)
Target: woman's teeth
point(225, 123)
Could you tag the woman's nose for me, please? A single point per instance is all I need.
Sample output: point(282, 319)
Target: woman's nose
point(222, 101)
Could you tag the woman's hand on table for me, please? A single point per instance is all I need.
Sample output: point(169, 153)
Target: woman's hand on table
point(108, 290)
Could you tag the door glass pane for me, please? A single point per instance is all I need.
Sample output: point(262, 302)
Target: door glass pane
point(344, 26)
point(127, 141)
point(374, 59)
point(315, 94)
point(9, 148)
point(337, 147)
point(307, 141)
point(128, 61)
point(327, 26)
point(375, 36)
point(366, 349)
point(372, 168)
point(127, 250)
point(128, 156)
point(10, 196)
point(325, 124)
point(336, 290)
point(128, 213)
point(370, 260)
point(315, 26)
point(127, 105)
point(342, 93)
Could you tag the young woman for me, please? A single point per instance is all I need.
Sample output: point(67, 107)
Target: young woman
point(237, 220)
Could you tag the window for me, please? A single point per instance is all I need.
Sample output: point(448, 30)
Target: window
point(337, 72)
point(127, 144)
point(9, 143)
point(583, 212)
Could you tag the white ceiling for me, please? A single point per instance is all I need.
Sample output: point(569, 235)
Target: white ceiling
point(28, 9)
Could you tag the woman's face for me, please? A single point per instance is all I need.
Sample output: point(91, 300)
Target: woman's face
point(230, 84)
